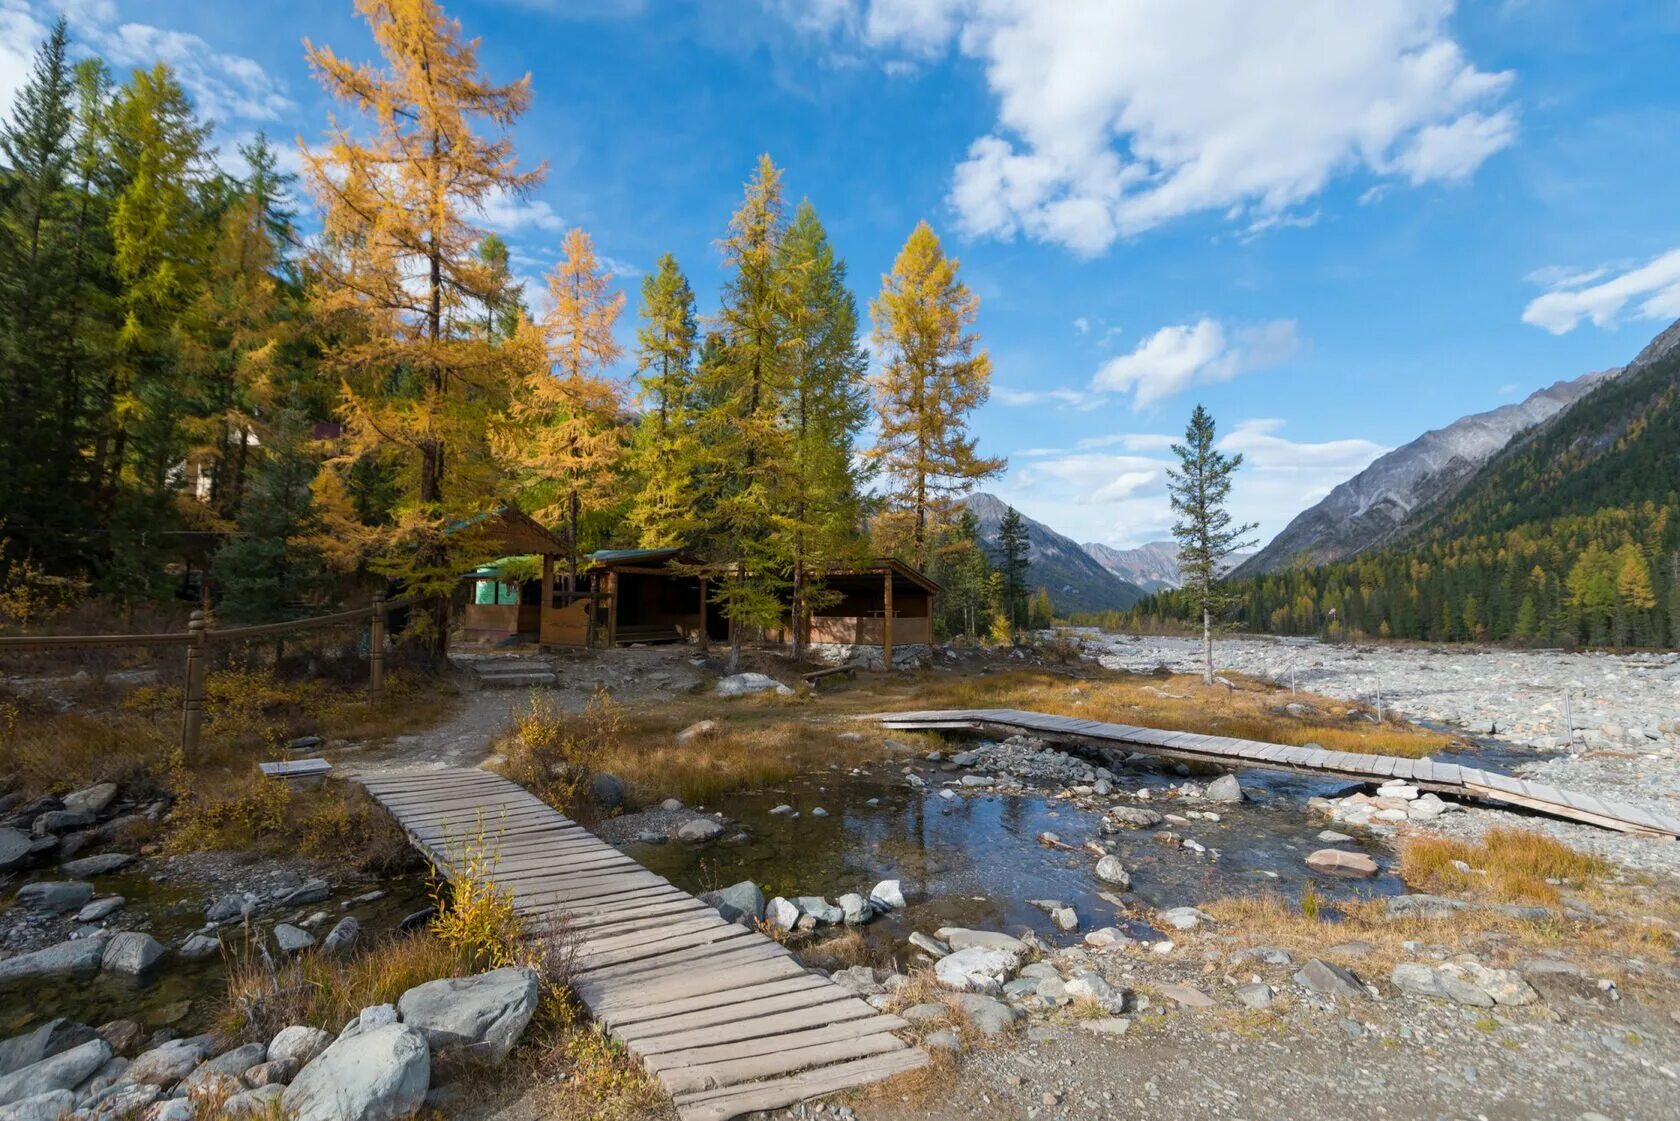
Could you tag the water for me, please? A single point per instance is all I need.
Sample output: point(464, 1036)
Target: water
point(975, 861)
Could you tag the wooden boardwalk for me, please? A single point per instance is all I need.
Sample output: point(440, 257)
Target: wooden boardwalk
point(725, 1017)
point(1446, 778)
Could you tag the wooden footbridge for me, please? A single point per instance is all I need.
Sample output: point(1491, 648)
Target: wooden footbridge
point(725, 1017)
point(1444, 778)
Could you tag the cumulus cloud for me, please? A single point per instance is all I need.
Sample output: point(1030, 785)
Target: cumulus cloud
point(1174, 358)
point(508, 213)
point(1115, 116)
point(1604, 295)
point(1120, 497)
point(1063, 397)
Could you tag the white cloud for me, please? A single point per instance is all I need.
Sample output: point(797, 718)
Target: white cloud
point(1176, 357)
point(1573, 295)
point(1062, 397)
point(1115, 116)
point(506, 213)
point(1082, 325)
point(21, 31)
point(1121, 497)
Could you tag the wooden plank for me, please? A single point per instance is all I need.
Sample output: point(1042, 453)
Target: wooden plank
point(722, 1002)
point(1423, 770)
point(728, 971)
point(696, 947)
point(802, 992)
point(1448, 774)
point(733, 1072)
point(757, 1027)
point(721, 1105)
point(1403, 768)
point(772, 1042)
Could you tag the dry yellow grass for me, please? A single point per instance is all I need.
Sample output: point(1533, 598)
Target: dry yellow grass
point(1510, 865)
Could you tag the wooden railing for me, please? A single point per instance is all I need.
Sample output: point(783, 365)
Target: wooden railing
point(199, 635)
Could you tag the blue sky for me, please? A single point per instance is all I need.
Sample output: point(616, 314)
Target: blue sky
point(1335, 223)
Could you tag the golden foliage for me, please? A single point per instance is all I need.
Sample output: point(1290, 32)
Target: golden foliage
point(554, 753)
point(475, 917)
point(1512, 865)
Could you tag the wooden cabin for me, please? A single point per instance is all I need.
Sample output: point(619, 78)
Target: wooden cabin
point(884, 603)
point(653, 595)
point(513, 597)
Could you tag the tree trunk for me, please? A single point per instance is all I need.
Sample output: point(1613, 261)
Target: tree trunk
point(798, 617)
point(1207, 646)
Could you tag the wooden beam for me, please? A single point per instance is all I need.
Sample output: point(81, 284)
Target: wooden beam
point(705, 594)
point(887, 621)
point(612, 610)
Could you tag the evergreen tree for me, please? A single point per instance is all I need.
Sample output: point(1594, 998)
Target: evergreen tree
point(961, 567)
point(932, 376)
point(273, 564)
point(662, 457)
point(503, 307)
point(1043, 614)
point(1205, 535)
point(1013, 547)
point(818, 510)
point(401, 287)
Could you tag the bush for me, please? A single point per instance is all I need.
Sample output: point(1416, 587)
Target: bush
point(554, 753)
point(1509, 864)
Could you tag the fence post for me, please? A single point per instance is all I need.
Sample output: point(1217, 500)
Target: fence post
point(376, 650)
point(192, 702)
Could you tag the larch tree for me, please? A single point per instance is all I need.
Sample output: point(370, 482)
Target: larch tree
point(825, 406)
point(566, 434)
point(739, 440)
point(1203, 529)
point(401, 286)
point(662, 460)
point(932, 375)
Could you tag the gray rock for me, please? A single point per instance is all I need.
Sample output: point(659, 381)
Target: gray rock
point(855, 909)
point(977, 969)
point(781, 914)
point(378, 1075)
point(131, 953)
point(50, 1106)
point(95, 799)
point(480, 1017)
point(43, 1042)
point(989, 1017)
point(123, 1100)
point(1463, 982)
point(924, 1013)
point(270, 1073)
point(702, 729)
point(944, 1040)
point(819, 812)
point(175, 1109)
point(342, 936)
point(608, 789)
point(377, 1016)
point(1257, 995)
point(101, 909)
point(304, 743)
point(1340, 862)
point(742, 684)
point(310, 891)
point(102, 864)
point(819, 908)
point(54, 897)
point(1131, 817)
point(292, 939)
point(1440, 907)
point(1111, 870)
point(861, 980)
point(1187, 995)
point(197, 947)
point(961, 938)
point(261, 1102)
point(78, 957)
point(63, 1071)
point(166, 1064)
point(16, 847)
point(233, 905)
point(699, 829)
point(1225, 788)
point(1331, 837)
point(225, 1072)
point(742, 902)
point(1184, 918)
point(1093, 986)
point(1325, 979)
point(61, 821)
point(929, 945)
point(1112, 1025)
point(298, 1044)
point(887, 896)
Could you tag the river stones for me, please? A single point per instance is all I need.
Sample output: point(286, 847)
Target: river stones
point(16, 847)
point(700, 829)
point(700, 729)
point(1340, 862)
point(781, 914)
point(887, 896)
point(131, 953)
point(1111, 870)
point(101, 909)
point(292, 939)
point(95, 799)
point(167, 1064)
point(1094, 987)
point(976, 969)
point(742, 902)
point(1225, 788)
point(1463, 982)
point(479, 1017)
point(43, 1042)
point(54, 897)
point(961, 938)
point(1325, 979)
point(379, 1074)
point(78, 957)
point(988, 1016)
point(342, 936)
point(298, 1044)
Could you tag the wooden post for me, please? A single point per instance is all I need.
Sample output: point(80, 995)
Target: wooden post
point(705, 626)
point(547, 603)
point(886, 622)
point(612, 610)
point(376, 650)
point(192, 702)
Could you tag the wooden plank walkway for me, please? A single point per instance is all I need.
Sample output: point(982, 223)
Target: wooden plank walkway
point(1445, 778)
point(724, 1017)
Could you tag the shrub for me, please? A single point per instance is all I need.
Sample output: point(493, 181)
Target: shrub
point(476, 919)
point(554, 753)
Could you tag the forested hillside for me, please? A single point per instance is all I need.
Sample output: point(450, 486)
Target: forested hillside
point(1570, 536)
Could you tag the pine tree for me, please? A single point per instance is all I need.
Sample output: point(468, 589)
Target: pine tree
point(273, 565)
point(1205, 535)
point(818, 509)
point(503, 307)
point(1043, 614)
point(739, 438)
point(662, 457)
point(962, 569)
point(932, 376)
point(1014, 565)
point(566, 436)
point(401, 285)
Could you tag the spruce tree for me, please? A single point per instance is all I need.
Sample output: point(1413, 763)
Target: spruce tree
point(273, 563)
point(933, 374)
point(1013, 565)
point(662, 456)
point(1203, 529)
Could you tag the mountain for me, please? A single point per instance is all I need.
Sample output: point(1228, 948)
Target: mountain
point(1075, 580)
point(1371, 508)
point(1152, 566)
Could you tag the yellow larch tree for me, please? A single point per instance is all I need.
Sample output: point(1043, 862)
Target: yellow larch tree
point(401, 288)
point(566, 429)
point(932, 374)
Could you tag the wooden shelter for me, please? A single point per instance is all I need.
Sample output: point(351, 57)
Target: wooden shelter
point(500, 608)
point(883, 603)
point(653, 595)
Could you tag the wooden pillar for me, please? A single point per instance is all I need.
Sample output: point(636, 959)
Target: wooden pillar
point(547, 603)
point(192, 692)
point(376, 650)
point(887, 621)
point(612, 610)
point(705, 625)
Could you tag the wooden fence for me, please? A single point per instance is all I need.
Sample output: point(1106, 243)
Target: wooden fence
point(199, 635)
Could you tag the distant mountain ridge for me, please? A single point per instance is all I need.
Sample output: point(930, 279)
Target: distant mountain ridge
point(1075, 580)
point(1152, 566)
point(1373, 507)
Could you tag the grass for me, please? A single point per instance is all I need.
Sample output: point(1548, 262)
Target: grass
point(1509, 865)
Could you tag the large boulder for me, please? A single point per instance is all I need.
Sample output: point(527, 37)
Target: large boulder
point(15, 848)
point(986, 1015)
point(608, 790)
point(377, 1075)
point(742, 902)
point(703, 729)
point(1463, 982)
point(54, 897)
point(166, 1064)
point(131, 953)
point(224, 1073)
point(961, 938)
point(888, 895)
point(742, 684)
point(1111, 870)
point(63, 1071)
point(1326, 979)
point(977, 970)
point(1225, 788)
point(102, 864)
point(819, 909)
point(478, 1017)
point(342, 936)
point(96, 799)
point(50, 1106)
point(78, 957)
point(43, 1042)
point(781, 914)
